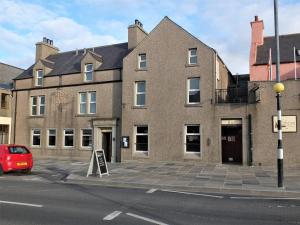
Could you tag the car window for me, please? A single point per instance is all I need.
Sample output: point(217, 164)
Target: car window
point(18, 150)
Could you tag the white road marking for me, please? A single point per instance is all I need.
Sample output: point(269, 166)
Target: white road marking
point(190, 193)
point(151, 191)
point(146, 219)
point(264, 198)
point(112, 215)
point(21, 203)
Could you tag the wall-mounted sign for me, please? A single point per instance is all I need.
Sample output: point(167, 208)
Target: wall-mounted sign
point(289, 124)
point(125, 142)
point(231, 121)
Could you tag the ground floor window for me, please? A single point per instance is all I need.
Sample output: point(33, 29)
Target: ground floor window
point(52, 137)
point(68, 137)
point(86, 137)
point(192, 138)
point(141, 143)
point(36, 137)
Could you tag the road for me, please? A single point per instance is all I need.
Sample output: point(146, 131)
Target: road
point(46, 202)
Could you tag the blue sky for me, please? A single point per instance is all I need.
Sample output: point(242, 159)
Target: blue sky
point(223, 25)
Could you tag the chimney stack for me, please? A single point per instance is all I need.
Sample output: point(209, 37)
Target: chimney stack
point(257, 38)
point(136, 34)
point(44, 49)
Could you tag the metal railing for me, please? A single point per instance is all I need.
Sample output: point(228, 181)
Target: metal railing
point(232, 95)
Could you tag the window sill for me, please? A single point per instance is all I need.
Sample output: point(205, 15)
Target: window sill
point(141, 69)
point(35, 146)
point(193, 105)
point(37, 116)
point(141, 154)
point(191, 65)
point(139, 107)
point(86, 149)
point(68, 148)
point(85, 115)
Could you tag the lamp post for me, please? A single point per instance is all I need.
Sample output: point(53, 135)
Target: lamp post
point(278, 88)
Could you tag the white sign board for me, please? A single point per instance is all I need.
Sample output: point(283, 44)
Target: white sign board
point(289, 124)
point(98, 163)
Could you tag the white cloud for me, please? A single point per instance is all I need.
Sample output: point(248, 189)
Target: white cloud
point(16, 16)
point(223, 25)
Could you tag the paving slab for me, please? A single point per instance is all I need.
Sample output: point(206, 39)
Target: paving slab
point(199, 177)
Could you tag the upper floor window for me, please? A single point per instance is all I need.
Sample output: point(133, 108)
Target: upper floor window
point(193, 90)
point(88, 72)
point(193, 59)
point(37, 105)
point(140, 93)
point(3, 100)
point(87, 102)
point(142, 61)
point(39, 78)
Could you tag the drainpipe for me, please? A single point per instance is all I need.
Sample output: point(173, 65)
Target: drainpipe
point(250, 146)
point(15, 116)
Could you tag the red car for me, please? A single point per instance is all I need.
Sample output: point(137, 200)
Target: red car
point(15, 157)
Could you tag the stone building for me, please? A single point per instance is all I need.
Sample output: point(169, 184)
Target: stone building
point(163, 96)
point(7, 73)
point(263, 54)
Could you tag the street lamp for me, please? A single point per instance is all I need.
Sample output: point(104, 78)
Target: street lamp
point(278, 88)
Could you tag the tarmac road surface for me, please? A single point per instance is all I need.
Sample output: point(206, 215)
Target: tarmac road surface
point(34, 202)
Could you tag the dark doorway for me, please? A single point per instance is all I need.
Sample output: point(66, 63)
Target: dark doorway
point(232, 149)
point(4, 134)
point(106, 145)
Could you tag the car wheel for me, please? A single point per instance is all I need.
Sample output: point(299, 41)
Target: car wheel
point(1, 170)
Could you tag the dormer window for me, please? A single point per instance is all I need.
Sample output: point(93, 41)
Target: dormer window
point(88, 72)
point(39, 78)
point(142, 61)
point(193, 60)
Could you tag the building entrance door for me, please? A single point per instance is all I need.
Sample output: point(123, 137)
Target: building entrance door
point(232, 149)
point(107, 145)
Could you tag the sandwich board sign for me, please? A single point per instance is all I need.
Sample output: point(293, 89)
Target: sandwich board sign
point(98, 163)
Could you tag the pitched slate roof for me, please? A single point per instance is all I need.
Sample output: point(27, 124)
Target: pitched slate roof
point(286, 44)
point(70, 62)
point(7, 74)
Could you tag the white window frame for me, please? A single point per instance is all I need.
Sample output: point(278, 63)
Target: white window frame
point(192, 56)
point(34, 105)
point(81, 138)
point(136, 93)
point(140, 60)
point(87, 103)
point(48, 136)
point(185, 135)
point(217, 70)
point(39, 77)
point(38, 105)
point(141, 134)
point(32, 135)
point(88, 71)
point(64, 135)
point(190, 90)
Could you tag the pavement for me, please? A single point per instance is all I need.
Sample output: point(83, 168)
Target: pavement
point(179, 176)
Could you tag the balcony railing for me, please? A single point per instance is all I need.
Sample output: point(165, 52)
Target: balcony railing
point(232, 95)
